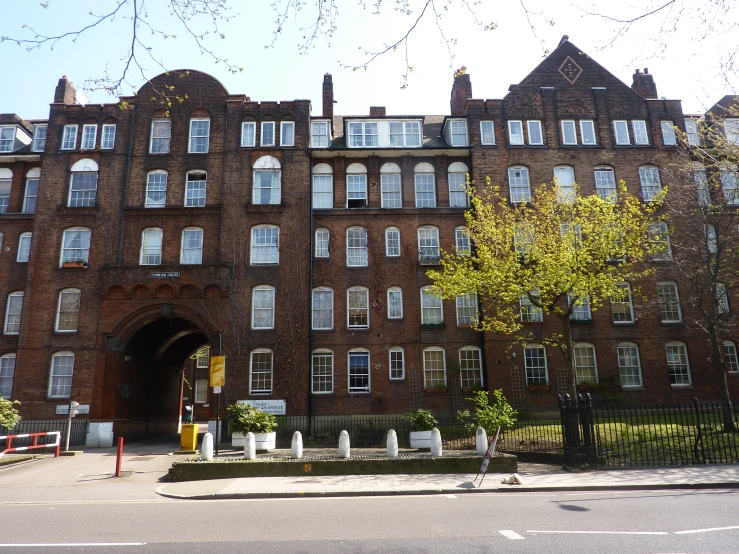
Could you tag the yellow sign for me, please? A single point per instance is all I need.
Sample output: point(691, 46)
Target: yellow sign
point(217, 371)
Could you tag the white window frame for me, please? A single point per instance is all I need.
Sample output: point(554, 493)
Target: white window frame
point(206, 136)
point(86, 143)
point(711, 238)
point(533, 124)
point(24, 253)
point(254, 292)
point(626, 301)
point(357, 253)
point(192, 194)
point(621, 136)
point(270, 141)
point(391, 190)
point(691, 130)
point(585, 135)
point(356, 191)
point(183, 249)
point(722, 299)
point(664, 303)
point(686, 377)
point(428, 251)
point(609, 193)
point(730, 356)
point(84, 252)
point(581, 311)
point(313, 135)
point(107, 138)
point(69, 136)
point(424, 176)
point(467, 301)
point(146, 251)
point(523, 191)
point(731, 131)
point(475, 382)
point(390, 362)
point(646, 176)
point(245, 143)
point(349, 308)
point(456, 134)
point(426, 369)
point(17, 316)
point(39, 141)
point(201, 391)
point(458, 189)
point(490, 132)
point(566, 190)
point(7, 140)
point(151, 203)
point(323, 353)
point(287, 133)
point(390, 252)
point(564, 123)
point(659, 233)
point(202, 358)
point(641, 135)
point(323, 242)
point(462, 241)
point(730, 186)
point(275, 190)
point(83, 197)
point(369, 134)
point(391, 292)
point(30, 177)
point(406, 134)
point(59, 312)
point(313, 308)
point(255, 249)
point(271, 372)
point(515, 138)
point(436, 304)
point(538, 349)
point(55, 378)
point(6, 390)
point(357, 352)
point(668, 133)
point(321, 177)
point(529, 313)
point(590, 346)
point(621, 366)
point(165, 139)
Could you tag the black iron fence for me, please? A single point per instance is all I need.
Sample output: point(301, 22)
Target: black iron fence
point(76, 438)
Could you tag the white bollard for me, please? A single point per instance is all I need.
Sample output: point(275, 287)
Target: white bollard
point(481, 441)
point(296, 448)
point(250, 447)
point(435, 442)
point(344, 447)
point(392, 444)
point(206, 449)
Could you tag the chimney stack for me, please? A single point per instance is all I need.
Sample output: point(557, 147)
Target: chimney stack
point(377, 111)
point(65, 92)
point(461, 92)
point(644, 85)
point(328, 96)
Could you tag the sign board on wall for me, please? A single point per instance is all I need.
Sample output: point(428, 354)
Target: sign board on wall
point(165, 275)
point(274, 407)
point(63, 409)
point(217, 371)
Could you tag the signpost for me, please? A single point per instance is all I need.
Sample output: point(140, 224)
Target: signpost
point(486, 460)
point(218, 381)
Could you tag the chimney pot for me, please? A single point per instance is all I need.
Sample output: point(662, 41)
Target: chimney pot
point(65, 92)
point(644, 84)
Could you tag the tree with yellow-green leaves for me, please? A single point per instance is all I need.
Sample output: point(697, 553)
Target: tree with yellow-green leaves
point(547, 257)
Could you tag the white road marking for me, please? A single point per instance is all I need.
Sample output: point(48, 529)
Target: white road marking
point(45, 544)
point(509, 534)
point(604, 532)
point(451, 496)
point(707, 530)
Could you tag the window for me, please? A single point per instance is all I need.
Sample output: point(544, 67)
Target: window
point(7, 138)
point(248, 133)
point(356, 186)
point(535, 361)
point(731, 128)
point(621, 130)
point(669, 302)
point(432, 311)
point(362, 134)
point(161, 133)
point(529, 312)
point(668, 133)
point(677, 363)
point(199, 136)
point(322, 240)
point(24, 247)
point(267, 181)
point(428, 243)
point(535, 134)
point(265, 245)
point(640, 132)
point(434, 368)
point(396, 363)
point(425, 187)
point(458, 197)
point(390, 186)
point(730, 357)
point(405, 133)
point(323, 187)
point(7, 369)
point(467, 309)
point(75, 246)
point(322, 367)
point(722, 299)
point(107, 142)
point(156, 189)
point(470, 367)
point(5, 182)
point(267, 136)
point(263, 307)
point(587, 131)
point(650, 183)
point(68, 310)
point(569, 133)
point(287, 133)
point(487, 132)
point(356, 247)
point(518, 183)
point(564, 177)
point(319, 134)
point(195, 188)
point(60, 381)
point(659, 239)
point(523, 237)
point(201, 391)
point(394, 303)
point(323, 309)
point(69, 137)
point(621, 306)
point(701, 184)
point(13, 311)
point(629, 365)
point(580, 309)
point(515, 132)
point(462, 241)
point(711, 239)
point(39, 138)
point(730, 187)
point(459, 132)
point(89, 136)
point(359, 371)
point(358, 308)
point(192, 246)
point(202, 358)
point(586, 368)
point(605, 184)
point(691, 129)
point(84, 184)
point(151, 246)
point(260, 372)
point(31, 195)
point(392, 242)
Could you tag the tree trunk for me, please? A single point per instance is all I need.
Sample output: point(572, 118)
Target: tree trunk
point(569, 358)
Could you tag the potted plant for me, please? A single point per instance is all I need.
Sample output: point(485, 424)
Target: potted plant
point(437, 388)
point(538, 385)
point(421, 422)
point(588, 385)
point(245, 418)
point(74, 263)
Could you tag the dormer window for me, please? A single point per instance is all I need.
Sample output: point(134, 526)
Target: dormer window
point(405, 133)
point(39, 138)
point(319, 137)
point(7, 136)
point(458, 132)
point(362, 134)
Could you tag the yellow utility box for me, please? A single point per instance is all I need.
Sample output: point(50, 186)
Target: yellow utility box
point(189, 436)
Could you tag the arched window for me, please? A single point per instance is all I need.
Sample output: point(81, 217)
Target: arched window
point(669, 302)
point(7, 370)
point(265, 245)
point(622, 307)
point(24, 247)
point(356, 247)
point(535, 362)
point(13, 311)
point(323, 187)
point(390, 184)
point(467, 309)
point(432, 311)
point(564, 177)
point(199, 135)
point(425, 185)
point(730, 356)
point(263, 307)
point(605, 183)
point(356, 186)
point(428, 243)
point(586, 365)
point(323, 308)
point(359, 370)
point(434, 368)
point(462, 241)
point(322, 368)
point(267, 181)
point(392, 242)
point(470, 367)
point(396, 363)
point(192, 246)
point(195, 189)
point(60, 380)
point(395, 303)
point(650, 183)
point(678, 364)
point(151, 246)
point(31, 194)
point(68, 310)
point(322, 243)
point(84, 184)
point(75, 247)
point(260, 371)
point(6, 179)
point(629, 365)
point(357, 301)
point(518, 184)
point(458, 197)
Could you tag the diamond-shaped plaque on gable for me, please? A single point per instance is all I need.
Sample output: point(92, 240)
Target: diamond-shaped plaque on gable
point(570, 70)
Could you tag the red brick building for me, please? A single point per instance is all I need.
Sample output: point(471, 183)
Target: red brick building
point(298, 244)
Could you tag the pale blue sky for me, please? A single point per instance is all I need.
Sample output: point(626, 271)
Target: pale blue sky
point(688, 69)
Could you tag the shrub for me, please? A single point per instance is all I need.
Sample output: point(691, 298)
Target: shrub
point(9, 416)
point(421, 420)
point(248, 419)
point(488, 416)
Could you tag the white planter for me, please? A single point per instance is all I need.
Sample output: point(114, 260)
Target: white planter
point(264, 441)
point(420, 439)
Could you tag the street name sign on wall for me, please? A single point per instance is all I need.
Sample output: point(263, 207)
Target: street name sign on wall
point(274, 407)
point(164, 275)
point(217, 371)
point(63, 409)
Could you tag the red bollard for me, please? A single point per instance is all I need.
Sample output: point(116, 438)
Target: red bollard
point(119, 457)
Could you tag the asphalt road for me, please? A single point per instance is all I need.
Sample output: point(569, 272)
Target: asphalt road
point(622, 522)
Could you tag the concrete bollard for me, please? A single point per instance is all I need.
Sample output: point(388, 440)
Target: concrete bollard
point(392, 444)
point(435, 442)
point(206, 449)
point(481, 441)
point(250, 447)
point(296, 448)
point(344, 447)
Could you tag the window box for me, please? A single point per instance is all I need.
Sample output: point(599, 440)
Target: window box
point(538, 388)
point(436, 390)
point(75, 263)
point(430, 261)
point(433, 325)
point(588, 386)
point(581, 321)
